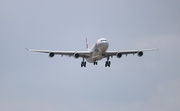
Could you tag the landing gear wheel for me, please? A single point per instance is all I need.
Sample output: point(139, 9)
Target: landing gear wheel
point(83, 64)
point(108, 63)
point(95, 63)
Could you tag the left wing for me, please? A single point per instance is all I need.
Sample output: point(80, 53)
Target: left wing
point(76, 54)
point(120, 53)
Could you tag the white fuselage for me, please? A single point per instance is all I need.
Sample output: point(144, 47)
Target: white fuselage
point(98, 50)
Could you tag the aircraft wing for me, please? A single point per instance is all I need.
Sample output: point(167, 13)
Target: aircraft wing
point(84, 54)
point(126, 52)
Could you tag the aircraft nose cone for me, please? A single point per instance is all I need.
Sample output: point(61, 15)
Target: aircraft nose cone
point(103, 46)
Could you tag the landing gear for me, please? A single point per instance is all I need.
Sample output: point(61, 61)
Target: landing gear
point(108, 63)
point(95, 63)
point(83, 63)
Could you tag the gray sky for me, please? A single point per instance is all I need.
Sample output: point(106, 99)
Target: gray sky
point(34, 82)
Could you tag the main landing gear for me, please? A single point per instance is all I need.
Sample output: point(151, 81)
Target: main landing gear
point(108, 63)
point(83, 63)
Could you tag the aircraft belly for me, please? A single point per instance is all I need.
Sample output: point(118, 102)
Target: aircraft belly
point(90, 60)
point(94, 57)
point(98, 57)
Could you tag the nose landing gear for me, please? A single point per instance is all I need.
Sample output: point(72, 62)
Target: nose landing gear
point(95, 63)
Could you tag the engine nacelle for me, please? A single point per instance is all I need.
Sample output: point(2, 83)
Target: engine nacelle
point(118, 55)
point(140, 53)
point(76, 55)
point(51, 54)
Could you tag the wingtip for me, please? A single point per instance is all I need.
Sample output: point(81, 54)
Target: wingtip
point(27, 49)
point(157, 49)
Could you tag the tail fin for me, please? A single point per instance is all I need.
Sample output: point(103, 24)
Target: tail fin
point(87, 44)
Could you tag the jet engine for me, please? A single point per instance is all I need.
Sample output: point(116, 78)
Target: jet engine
point(51, 54)
point(76, 55)
point(118, 55)
point(140, 53)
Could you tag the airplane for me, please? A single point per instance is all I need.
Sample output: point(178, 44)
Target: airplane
point(97, 52)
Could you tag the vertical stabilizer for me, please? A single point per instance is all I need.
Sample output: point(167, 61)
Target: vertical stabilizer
point(87, 44)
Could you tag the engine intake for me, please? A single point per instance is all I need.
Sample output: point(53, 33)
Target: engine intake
point(76, 55)
point(118, 55)
point(140, 53)
point(51, 54)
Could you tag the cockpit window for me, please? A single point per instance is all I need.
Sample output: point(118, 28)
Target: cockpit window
point(103, 40)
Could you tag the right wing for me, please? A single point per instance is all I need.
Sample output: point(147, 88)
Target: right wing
point(76, 54)
point(126, 52)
